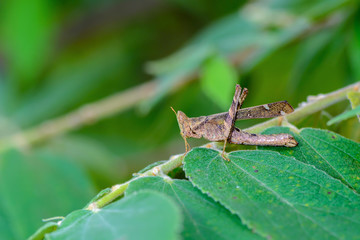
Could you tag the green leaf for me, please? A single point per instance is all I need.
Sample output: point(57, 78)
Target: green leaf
point(46, 228)
point(203, 217)
point(275, 195)
point(218, 80)
point(39, 185)
point(99, 195)
point(142, 215)
point(346, 115)
point(148, 167)
point(337, 156)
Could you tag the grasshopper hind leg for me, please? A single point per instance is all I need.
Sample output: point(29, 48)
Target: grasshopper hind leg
point(239, 98)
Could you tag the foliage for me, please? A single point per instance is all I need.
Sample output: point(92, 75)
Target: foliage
point(348, 114)
point(139, 216)
point(203, 217)
point(277, 196)
point(78, 113)
point(221, 92)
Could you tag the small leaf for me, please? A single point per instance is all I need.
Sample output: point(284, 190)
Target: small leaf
point(346, 115)
point(277, 196)
point(337, 156)
point(203, 217)
point(218, 81)
point(99, 195)
point(150, 166)
point(142, 215)
point(46, 228)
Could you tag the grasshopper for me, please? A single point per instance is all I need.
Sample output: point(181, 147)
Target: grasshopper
point(221, 126)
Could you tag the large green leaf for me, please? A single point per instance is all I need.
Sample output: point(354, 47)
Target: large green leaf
point(327, 151)
point(142, 215)
point(38, 185)
point(275, 195)
point(203, 217)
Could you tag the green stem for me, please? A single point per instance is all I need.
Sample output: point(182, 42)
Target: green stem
point(119, 189)
point(316, 104)
point(87, 114)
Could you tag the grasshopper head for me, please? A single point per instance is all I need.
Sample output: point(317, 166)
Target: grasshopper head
point(184, 126)
point(183, 122)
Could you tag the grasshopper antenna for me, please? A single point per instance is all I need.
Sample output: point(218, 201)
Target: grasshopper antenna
point(173, 110)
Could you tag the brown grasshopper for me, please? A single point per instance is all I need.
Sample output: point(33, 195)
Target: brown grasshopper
point(220, 127)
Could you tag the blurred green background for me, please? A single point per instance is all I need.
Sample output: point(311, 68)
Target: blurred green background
point(59, 56)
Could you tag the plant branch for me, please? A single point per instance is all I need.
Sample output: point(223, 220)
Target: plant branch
point(117, 103)
point(313, 105)
point(119, 189)
point(87, 114)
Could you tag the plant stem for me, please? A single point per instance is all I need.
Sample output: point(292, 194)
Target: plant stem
point(86, 115)
point(313, 105)
point(119, 189)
